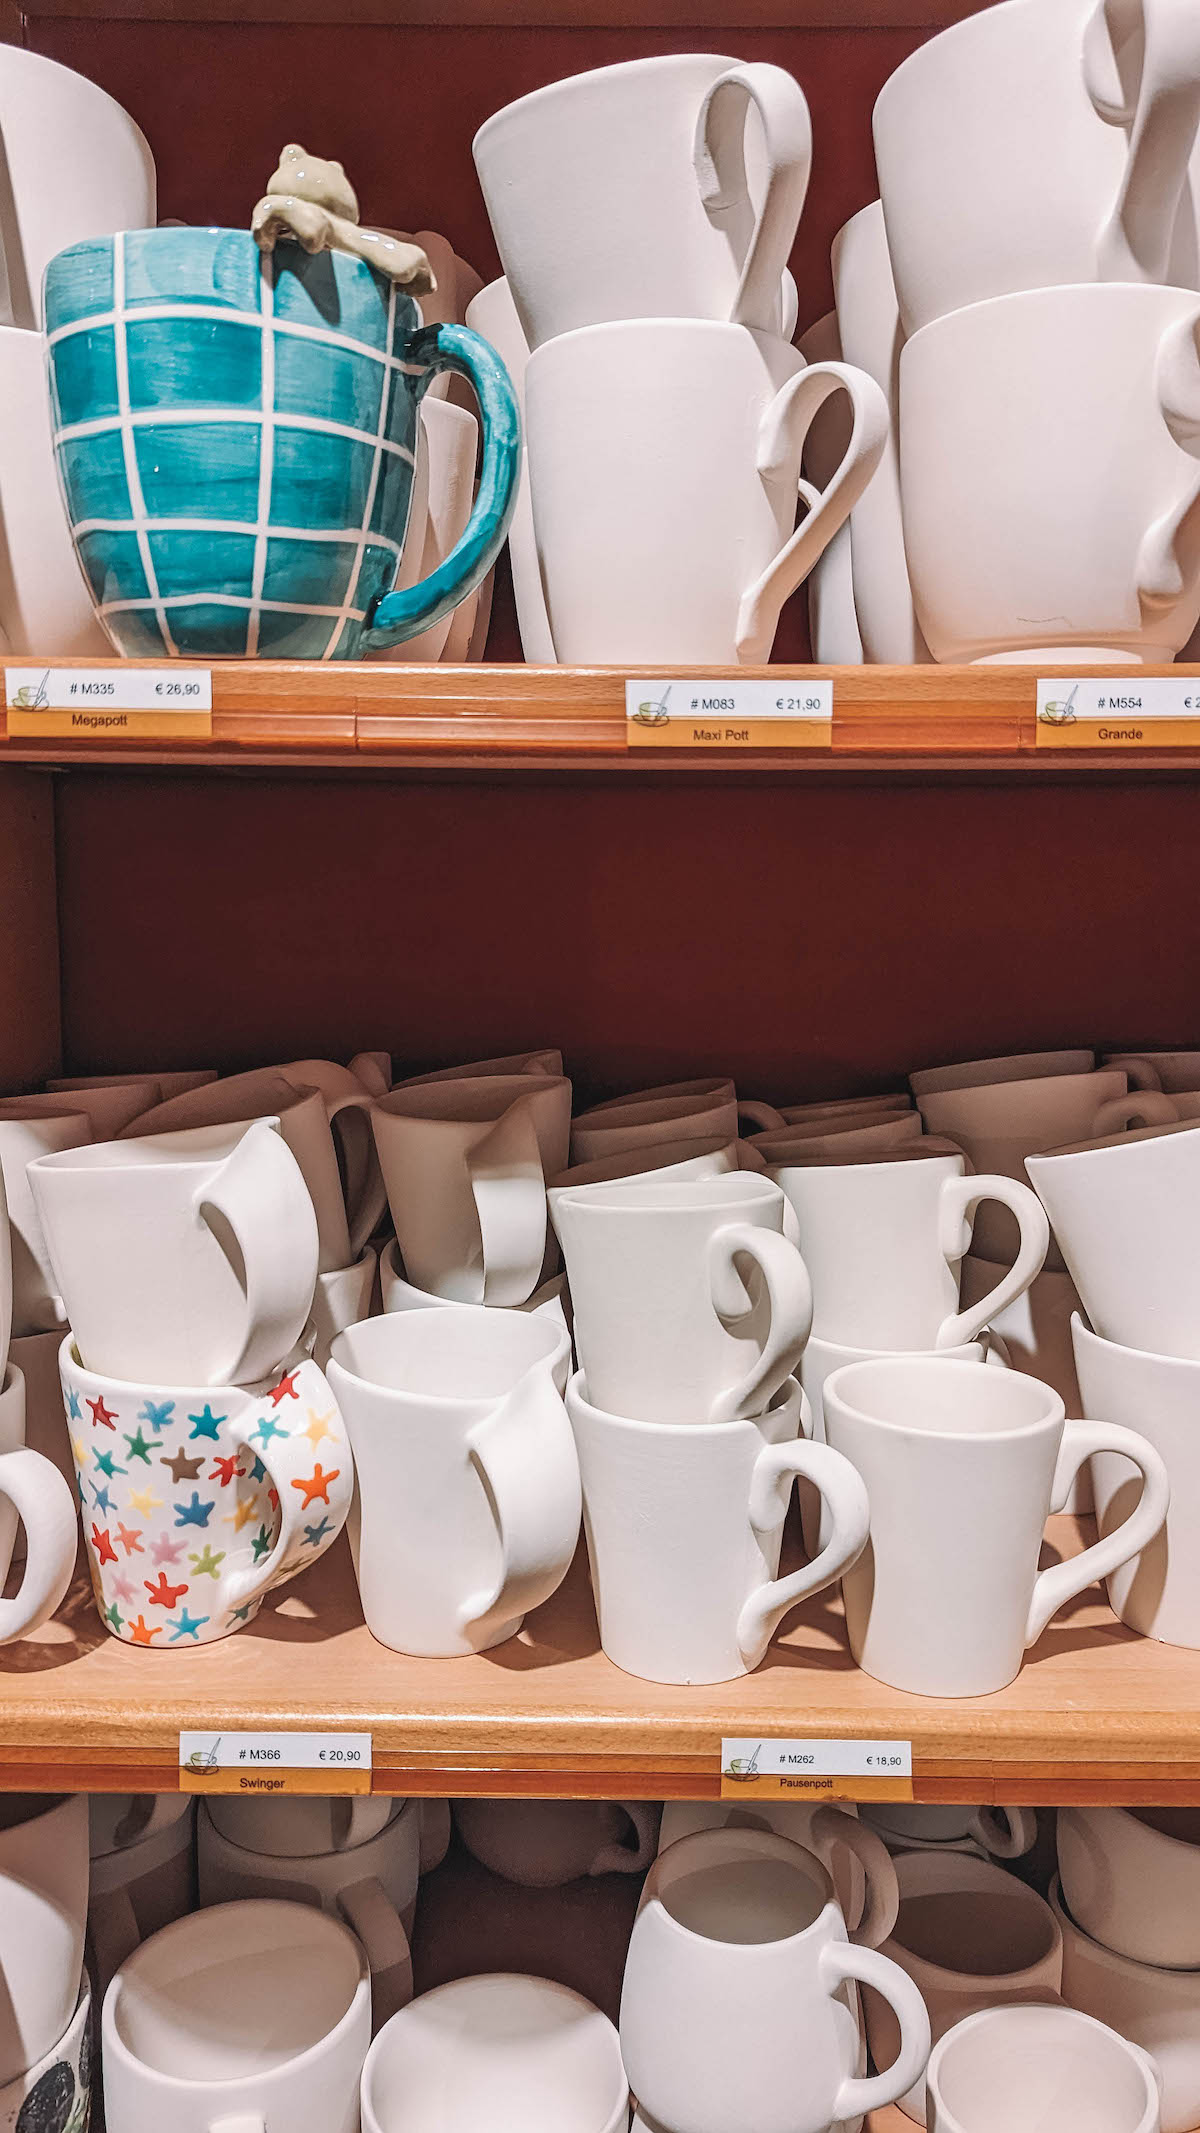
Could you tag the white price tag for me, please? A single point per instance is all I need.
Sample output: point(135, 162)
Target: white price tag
point(89, 703)
point(275, 1762)
point(728, 714)
point(816, 1769)
point(1120, 711)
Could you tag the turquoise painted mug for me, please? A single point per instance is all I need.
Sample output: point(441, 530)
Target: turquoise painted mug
point(236, 437)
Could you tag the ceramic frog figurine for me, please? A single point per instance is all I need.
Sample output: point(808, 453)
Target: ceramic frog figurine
point(313, 202)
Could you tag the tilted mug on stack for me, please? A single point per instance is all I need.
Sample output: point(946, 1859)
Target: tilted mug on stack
point(644, 225)
point(212, 1461)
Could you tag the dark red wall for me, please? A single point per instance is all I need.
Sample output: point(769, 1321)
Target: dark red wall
point(810, 937)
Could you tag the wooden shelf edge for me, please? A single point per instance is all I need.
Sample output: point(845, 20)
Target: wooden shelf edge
point(1096, 1714)
point(484, 718)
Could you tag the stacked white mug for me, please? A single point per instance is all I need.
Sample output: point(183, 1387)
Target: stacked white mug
point(1019, 331)
point(644, 226)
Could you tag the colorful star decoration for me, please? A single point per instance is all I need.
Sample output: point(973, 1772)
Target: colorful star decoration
point(186, 1625)
point(286, 1388)
point(268, 1428)
point(317, 1485)
point(144, 1501)
point(130, 1539)
point(314, 1535)
point(139, 1447)
point(166, 1550)
point(74, 1411)
point(157, 1413)
point(261, 1544)
point(207, 1564)
point(182, 1468)
point(207, 1424)
point(102, 1543)
point(102, 1414)
point(141, 1633)
point(225, 1470)
point(318, 1427)
point(162, 1594)
point(194, 1513)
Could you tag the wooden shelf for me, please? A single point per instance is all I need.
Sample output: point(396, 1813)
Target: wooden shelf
point(1096, 1714)
point(513, 717)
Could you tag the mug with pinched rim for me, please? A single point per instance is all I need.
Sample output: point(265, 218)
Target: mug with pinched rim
point(236, 443)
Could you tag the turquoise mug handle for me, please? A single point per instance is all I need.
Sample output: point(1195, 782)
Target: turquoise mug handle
point(397, 616)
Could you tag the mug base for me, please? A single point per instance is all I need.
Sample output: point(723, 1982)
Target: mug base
point(1076, 655)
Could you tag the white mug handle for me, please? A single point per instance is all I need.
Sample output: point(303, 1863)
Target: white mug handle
point(842, 1961)
point(313, 1481)
point(881, 1901)
point(719, 159)
point(960, 1197)
point(51, 1519)
point(1054, 1587)
point(630, 1858)
point(509, 1190)
point(259, 1191)
point(370, 1913)
point(525, 1453)
point(1005, 1832)
point(1161, 114)
point(844, 1505)
point(782, 431)
point(763, 1116)
point(789, 1296)
point(358, 1164)
point(1169, 556)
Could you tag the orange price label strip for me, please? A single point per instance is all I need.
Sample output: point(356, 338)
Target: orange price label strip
point(816, 1770)
point(728, 714)
point(1119, 713)
point(109, 703)
point(273, 1763)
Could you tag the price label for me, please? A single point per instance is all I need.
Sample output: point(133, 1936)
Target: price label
point(120, 703)
point(1121, 712)
point(816, 1769)
point(729, 714)
point(275, 1762)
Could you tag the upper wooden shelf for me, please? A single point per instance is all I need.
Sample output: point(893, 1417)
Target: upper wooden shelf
point(1096, 1715)
point(512, 717)
point(514, 14)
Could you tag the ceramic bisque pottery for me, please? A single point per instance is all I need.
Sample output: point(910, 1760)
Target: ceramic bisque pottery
point(196, 1503)
point(55, 2095)
point(235, 433)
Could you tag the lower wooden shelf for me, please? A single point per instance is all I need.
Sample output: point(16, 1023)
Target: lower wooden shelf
point(1097, 1714)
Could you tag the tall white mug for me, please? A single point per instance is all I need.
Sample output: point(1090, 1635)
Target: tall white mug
point(963, 128)
point(1158, 1591)
point(963, 1466)
point(690, 1303)
point(43, 1910)
point(639, 191)
point(992, 509)
point(494, 314)
point(686, 439)
point(1121, 1207)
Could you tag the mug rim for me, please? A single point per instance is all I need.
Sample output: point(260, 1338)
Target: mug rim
point(1072, 2016)
point(791, 1391)
point(727, 1189)
point(296, 1860)
point(484, 1314)
point(553, 90)
point(1105, 1141)
point(69, 1359)
point(1014, 1383)
point(1111, 1958)
point(741, 1840)
point(977, 1877)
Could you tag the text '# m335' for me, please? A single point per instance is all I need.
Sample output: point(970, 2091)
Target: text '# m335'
point(728, 714)
point(92, 704)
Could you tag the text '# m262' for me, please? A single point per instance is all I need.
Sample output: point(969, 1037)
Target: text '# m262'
point(816, 1769)
point(728, 713)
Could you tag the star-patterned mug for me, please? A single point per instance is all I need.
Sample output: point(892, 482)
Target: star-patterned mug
point(198, 1501)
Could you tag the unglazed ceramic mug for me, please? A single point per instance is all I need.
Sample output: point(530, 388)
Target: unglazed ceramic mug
point(821, 1358)
point(1129, 1878)
point(517, 2054)
point(465, 1163)
point(730, 2012)
point(1000, 1832)
point(43, 599)
point(847, 1136)
point(998, 1123)
point(1040, 2066)
point(884, 1240)
point(1158, 1070)
point(868, 317)
point(637, 191)
point(690, 1304)
point(36, 1305)
point(685, 1578)
point(340, 1299)
point(962, 1467)
point(172, 1081)
point(241, 2018)
point(713, 1158)
point(1009, 1066)
point(677, 1111)
point(468, 1505)
point(192, 1262)
point(199, 1500)
point(109, 1108)
point(33, 1490)
point(1121, 1209)
point(295, 1827)
point(1158, 1591)
point(548, 1060)
point(1157, 2009)
point(968, 1935)
point(43, 1911)
point(370, 1884)
point(832, 622)
point(143, 1874)
point(544, 1843)
point(868, 1897)
point(494, 315)
point(962, 125)
point(685, 553)
point(991, 523)
point(397, 1294)
point(57, 2091)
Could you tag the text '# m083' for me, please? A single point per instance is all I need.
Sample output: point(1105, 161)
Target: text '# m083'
point(728, 713)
